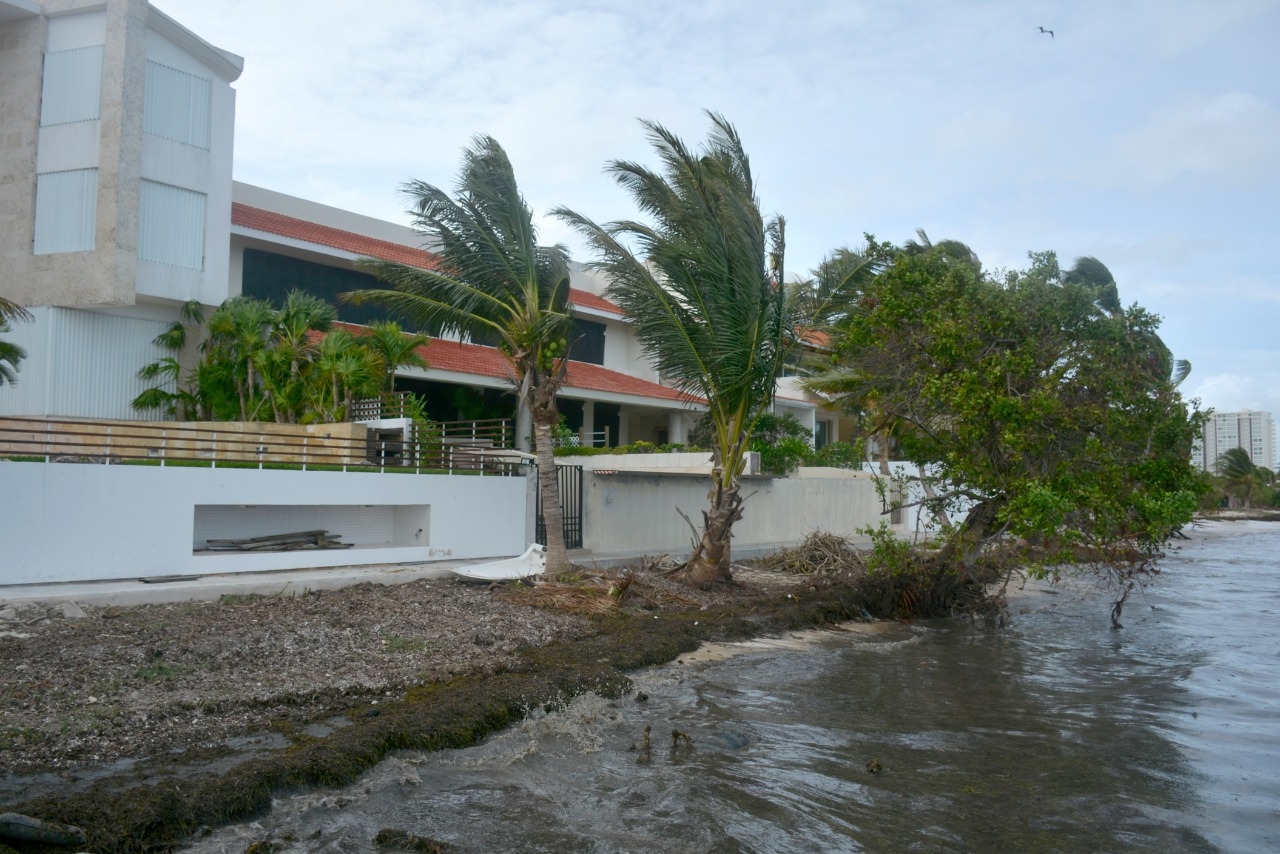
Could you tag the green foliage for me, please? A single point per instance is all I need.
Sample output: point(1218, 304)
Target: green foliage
point(840, 455)
point(702, 285)
point(1241, 479)
point(1035, 399)
point(10, 354)
point(889, 554)
point(253, 362)
point(491, 282)
point(782, 443)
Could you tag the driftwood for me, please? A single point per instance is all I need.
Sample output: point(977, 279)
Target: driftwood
point(320, 539)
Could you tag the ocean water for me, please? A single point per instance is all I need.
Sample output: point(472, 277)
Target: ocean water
point(1054, 734)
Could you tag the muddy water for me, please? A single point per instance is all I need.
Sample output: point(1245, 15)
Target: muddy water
point(1056, 734)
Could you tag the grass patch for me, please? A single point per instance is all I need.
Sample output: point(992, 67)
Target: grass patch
point(396, 643)
point(158, 671)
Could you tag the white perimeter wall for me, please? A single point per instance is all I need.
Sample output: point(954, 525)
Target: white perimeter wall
point(84, 521)
point(633, 511)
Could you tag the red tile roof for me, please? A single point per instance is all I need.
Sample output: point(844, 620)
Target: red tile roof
point(476, 360)
point(323, 235)
point(358, 244)
point(586, 299)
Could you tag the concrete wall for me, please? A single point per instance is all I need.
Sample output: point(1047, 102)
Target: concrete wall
point(78, 522)
point(635, 511)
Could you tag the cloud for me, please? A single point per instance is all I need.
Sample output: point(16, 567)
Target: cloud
point(1233, 137)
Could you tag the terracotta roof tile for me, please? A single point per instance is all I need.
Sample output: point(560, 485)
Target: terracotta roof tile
point(258, 219)
point(323, 235)
point(476, 360)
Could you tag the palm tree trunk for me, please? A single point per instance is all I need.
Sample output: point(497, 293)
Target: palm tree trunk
point(710, 564)
point(549, 499)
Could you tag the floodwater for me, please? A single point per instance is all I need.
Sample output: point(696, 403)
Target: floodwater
point(1054, 734)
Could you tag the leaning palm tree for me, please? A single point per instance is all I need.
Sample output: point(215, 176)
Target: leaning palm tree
point(1241, 474)
point(704, 293)
point(492, 281)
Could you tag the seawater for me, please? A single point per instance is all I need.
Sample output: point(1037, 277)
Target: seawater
point(1054, 734)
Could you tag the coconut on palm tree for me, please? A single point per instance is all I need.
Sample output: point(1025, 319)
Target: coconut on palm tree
point(492, 281)
point(702, 287)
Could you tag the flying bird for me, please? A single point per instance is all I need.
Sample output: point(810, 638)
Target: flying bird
point(1050, 32)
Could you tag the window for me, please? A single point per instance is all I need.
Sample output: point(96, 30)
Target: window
point(72, 88)
point(171, 226)
point(176, 105)
point(586, 342)
point(66, 211)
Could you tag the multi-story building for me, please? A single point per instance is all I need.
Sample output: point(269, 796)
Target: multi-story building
point(117, 207)
point(1249, 429)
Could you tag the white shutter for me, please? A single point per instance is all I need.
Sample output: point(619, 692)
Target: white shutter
point(176, 105)
point(72, 89)
point(66, 211)
point(171, 225)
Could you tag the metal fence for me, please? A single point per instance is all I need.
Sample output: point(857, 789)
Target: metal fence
point(478, 447)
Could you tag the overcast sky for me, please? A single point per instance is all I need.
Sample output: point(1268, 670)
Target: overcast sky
point(1146, 134)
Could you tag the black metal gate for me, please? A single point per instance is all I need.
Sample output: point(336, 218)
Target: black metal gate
point(570, 478)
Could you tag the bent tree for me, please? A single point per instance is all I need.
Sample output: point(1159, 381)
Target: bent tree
point(702, 287)
point(1043, 410)
point(492, 282)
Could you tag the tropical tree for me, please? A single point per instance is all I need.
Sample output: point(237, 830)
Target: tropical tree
point(1043, 409)
point(292, 345)
point(395, 349)
point(1242, 476)
point(239, 335)
point(492, 282)
point(10, 354)
point(177, 394)
point(703, 289)
point(342, 371)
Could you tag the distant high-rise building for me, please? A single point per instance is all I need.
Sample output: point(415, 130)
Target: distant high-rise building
point(1248, 429)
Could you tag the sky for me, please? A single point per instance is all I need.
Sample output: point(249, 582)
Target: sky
point(1144, 133)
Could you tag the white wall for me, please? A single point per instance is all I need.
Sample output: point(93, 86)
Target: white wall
point(632, 511)
point(80, 363)
point(79, 522)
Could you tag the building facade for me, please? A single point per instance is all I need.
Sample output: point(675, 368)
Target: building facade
point(1249, 429)
point(117, 206)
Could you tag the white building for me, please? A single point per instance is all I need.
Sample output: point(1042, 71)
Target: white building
point(1249, 429)
point(116, 127)
point(117, 206)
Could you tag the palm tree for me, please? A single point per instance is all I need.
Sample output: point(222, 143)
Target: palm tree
point(239, 332)
point(342, 371)
point(291, 347)
point(395, 348)
point(10, 354)
point(1241, 474)
point(492, 282)
point(704, 293)
point(175, 396)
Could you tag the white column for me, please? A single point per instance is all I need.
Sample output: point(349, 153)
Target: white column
point(588, 422)
point(677, 427)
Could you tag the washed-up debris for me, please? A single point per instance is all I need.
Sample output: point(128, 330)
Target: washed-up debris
point(280, 542)
point(818, 553)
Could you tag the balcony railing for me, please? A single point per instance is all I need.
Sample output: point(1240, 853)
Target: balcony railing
point(451, 447)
